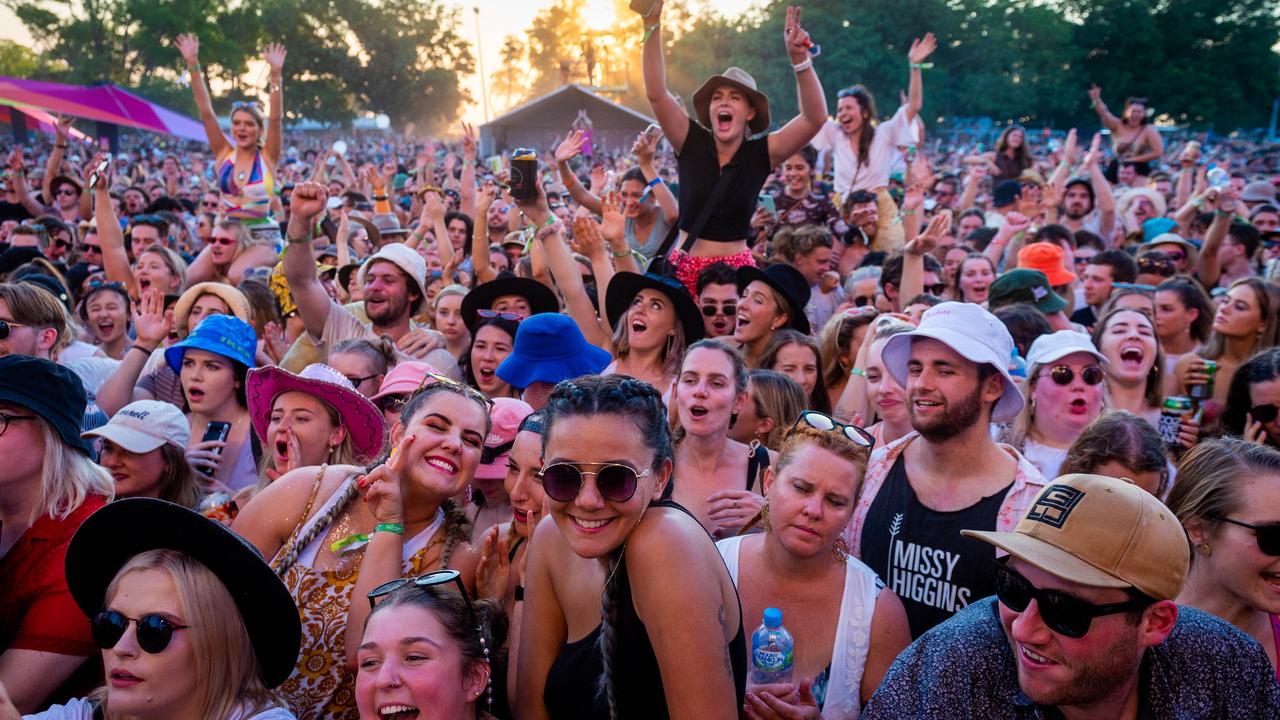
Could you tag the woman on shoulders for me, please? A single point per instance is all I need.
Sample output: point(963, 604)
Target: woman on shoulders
point(847, 626)
point(613, 628)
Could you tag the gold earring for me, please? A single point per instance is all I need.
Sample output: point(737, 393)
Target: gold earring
point(1204, 549)
point(840, 551)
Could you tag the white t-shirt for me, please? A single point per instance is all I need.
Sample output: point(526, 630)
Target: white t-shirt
point(849, 174)
point(1046, 459)
point(82, 709)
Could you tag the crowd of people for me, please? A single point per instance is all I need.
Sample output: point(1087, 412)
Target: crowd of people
point(385, 429)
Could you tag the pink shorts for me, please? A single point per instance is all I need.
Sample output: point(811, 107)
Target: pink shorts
point(688, 267)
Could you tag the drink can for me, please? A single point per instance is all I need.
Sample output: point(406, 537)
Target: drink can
point(524, 173)
point(1175, 408)
point(1204, 391)
point(218, 506)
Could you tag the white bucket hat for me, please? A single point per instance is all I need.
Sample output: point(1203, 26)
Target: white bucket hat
point(144, 425)
point(970, 331)
point(1057, 345)
point(403, 257)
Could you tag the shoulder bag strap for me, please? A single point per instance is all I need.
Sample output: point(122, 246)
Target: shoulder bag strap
point(722, 184)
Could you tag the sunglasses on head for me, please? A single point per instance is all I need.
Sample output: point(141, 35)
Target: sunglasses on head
point(392, 403)
point(850, 92)
point(154, 631)
point(1268, 535)
point(1139, 287)
point(438, 577)
point(486, 314)
point(615, 482)
point(431, 378)
point(1062, 613)
point(1159, 267)
point(1264, 413)
point(822, 421)
point(489, 454)
point(728, 310)
point(244, 104)
point(6, 325)
point(1063, 374)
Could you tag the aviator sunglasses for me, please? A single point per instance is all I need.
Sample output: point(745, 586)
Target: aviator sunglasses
point(1062, 613)
point(154, 631)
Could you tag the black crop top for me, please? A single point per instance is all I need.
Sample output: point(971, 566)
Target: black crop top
point(699, 168)
point(571, 687)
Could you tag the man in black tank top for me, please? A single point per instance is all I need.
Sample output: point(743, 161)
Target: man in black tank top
point(949, 475)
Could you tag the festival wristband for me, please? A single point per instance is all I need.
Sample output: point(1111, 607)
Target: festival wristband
point(921, 66)
point(859, 372)
point(396, 528)
point(622, 254)
point(801, 67)
point(649, 30)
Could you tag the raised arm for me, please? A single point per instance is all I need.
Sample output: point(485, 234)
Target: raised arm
point(1095, 98)
point(115, 259)
point(570, 147)
point(813, 104)
point(61, 128)
point(1062, 173)
point(920, 51)
point(468, 179)
point(671, 116)
point(274, 57)
point(484, 271)
point(1210, 270)
point(299, 264)
point(645, 148)
point(613, 230)
point(152, 326)
point(1103, 197)
point(189, 45)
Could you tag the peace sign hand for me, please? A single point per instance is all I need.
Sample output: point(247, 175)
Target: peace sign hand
point(383, 486)
point(797, 38)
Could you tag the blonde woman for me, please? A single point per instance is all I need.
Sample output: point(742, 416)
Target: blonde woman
point(191, 622)
point(50, 485)
point(772, 397)
point(838, 344)
point(446, 317)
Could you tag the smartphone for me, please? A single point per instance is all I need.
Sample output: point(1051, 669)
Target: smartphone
point(653, 131)
point(216, 430)
point(766, 201)
point(102, 167)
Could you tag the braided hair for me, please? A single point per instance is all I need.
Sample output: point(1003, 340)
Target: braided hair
point(640, 403)
point(456, 525)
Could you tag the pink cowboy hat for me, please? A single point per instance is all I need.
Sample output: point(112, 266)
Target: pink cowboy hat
point(360, 417)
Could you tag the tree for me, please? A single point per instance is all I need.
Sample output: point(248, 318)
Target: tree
point(17, 60)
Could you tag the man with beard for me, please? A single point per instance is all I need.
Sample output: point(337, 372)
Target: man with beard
point(1084, 624)
point(1082, 195)
point(948, 475)
point(393, 283)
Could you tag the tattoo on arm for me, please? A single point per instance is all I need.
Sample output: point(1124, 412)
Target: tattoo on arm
point(724, 630)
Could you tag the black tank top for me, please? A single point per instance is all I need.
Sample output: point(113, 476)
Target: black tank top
point(571, 689)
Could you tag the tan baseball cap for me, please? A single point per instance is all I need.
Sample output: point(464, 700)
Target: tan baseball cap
point(1103, 532)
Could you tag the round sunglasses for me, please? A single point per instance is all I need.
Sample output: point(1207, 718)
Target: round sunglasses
point(1063, 374)
point(1062, 613)
point(728, 310)
point(1264, 413)
point(615, 482)
point(822, 421)
point(154, 631)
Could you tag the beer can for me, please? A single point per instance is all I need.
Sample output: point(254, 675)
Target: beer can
point(524, 173)
point(218, 506)
point(1175, 408)
point(1204, 391)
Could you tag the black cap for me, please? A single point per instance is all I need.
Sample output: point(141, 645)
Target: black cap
point(16, 257)
point(48, 390)
point(46, 282)
point(1006, 193)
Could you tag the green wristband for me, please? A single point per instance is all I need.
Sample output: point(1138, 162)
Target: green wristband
point(396, 528)
point(859, 372)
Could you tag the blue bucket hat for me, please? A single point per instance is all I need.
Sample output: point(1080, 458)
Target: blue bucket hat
point(1157, 226)
point(224, 335)
point(549, 348)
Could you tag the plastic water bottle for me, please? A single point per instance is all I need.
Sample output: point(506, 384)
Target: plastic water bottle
point(772, 650)
point(1218, 178)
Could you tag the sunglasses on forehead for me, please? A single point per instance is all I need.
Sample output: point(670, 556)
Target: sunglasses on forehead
point(1062, 613)
point(822, 421)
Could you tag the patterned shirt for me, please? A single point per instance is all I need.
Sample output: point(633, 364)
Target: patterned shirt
point(964, 668)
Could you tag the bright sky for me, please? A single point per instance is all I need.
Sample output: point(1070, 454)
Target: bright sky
point(497, 20)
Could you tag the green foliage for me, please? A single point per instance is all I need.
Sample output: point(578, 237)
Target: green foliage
point(17, 60)
point(399, 57)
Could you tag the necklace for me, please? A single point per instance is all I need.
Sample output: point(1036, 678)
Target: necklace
point(240, 176)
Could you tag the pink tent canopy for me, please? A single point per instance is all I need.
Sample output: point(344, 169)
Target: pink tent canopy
point(105, 103)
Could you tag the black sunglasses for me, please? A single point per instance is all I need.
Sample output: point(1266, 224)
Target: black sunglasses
point(355, 381)
point(822, 421)
point(438, 577)
point(86, 247)
point(486, 314)
point(1063, 374)
point(1264, 413)
point(1062, 613)
point(1268, 535)
point(1156, 266)
point(860, 300)
point(615, 482)
point(728, 310)
point(489, 454)
point(154, 631)
point(6, 325)
point(393, 403)
point(936, 289)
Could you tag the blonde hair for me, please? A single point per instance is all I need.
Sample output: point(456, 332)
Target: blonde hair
point(778, 397)
point(672, 352)
point(67, 478)
point(37, 307)
point(1210, 475)
point(343, 453)
point(173, 261)
point(446, 291)
point(226, 668)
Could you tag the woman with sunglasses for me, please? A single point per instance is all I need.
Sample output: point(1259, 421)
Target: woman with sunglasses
point(247, 162)
point(798, 355)
point(719, 477)
point(428, 651)
point(364, 362)
point(192, 623)
point(771, 398)
point(335, 533)
point(1228, 499)
point(1065, 393)
point(847, 626)
point(230, 251)
point(622, 581)
point(492, 342)
point(1127, 339)
point(1253, 400)
point(1248, 321)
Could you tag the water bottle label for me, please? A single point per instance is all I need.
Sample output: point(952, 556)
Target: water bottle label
point(771, 660)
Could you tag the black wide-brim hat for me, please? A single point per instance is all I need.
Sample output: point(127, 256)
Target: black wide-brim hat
point(624, 286)
point(125, 528)
point(787, 282)
point(541, 298)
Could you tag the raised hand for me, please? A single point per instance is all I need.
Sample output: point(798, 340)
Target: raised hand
point(468, 143)
point(432, 209)
point(274, 55)
point(308, 201)
point(926, 241)
point(62, 127)
point(1095, 150)
point(383, 486)
point(614, 224)
point(796, 37)
point(485, 196)
point(189, 45)
point(922, 48)
point(571, 146)
point(645, 148)
point(654, 13)
point(493, 573)
point(587, 239)
point(149, 319)
point(1095, 93)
